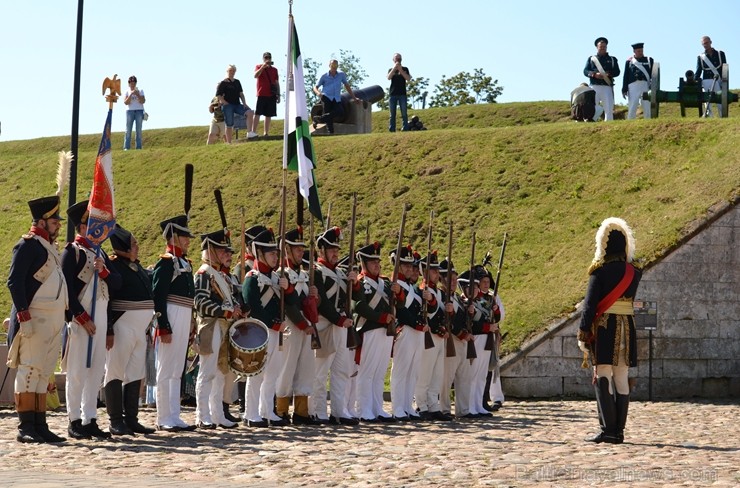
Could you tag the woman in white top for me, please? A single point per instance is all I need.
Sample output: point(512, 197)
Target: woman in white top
point(134, 101)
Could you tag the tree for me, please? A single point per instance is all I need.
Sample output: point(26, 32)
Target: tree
point(464, 89)
point(310, 78)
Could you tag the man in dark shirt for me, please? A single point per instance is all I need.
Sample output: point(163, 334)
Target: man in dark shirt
point(398, 75)
point(601, 69)
point(230, 93)
point(709, 70)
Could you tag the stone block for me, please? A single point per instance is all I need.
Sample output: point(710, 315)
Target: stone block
point(552, 347)
point(534, 367)
point(726, 292)
point(694, 349)
point(688, 329)
point(527, 387)
point(735, 387)
point(724, 310)
point(668, 388)
point(683, 308)
point(681, 368)
point(715, 387)
point(578, 386)
point(643, 369)
point(729, 329)
point(723, 367)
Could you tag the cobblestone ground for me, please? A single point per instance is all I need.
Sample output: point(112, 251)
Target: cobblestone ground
point(527, 443)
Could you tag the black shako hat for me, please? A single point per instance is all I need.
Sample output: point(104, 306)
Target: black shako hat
point(176, 225)
point(265, 241)
point(218, 239)
point(120, 239)
point(329, 238)
point(45, 208)
point(406, 256)
point(252, 232)
point(638, 45)
point(294, 237)
point(78, 214)
point(433, 261)
point(600, 39)
point(445, 265)
point(369, 252)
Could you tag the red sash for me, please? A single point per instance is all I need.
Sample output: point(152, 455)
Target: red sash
point(618, 291)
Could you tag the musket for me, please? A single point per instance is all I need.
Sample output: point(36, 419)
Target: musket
point(315, 340)
point(391, 329)
point(367, 234)
point(450, 350)
point(497, 342)
point(328, 217)
point(489, 335)
point(428, 339)
point(353, 339)
point(471, 287)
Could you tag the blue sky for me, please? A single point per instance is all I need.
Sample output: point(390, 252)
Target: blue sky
point(179, 49)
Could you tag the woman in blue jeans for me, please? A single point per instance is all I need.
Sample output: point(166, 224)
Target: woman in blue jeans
point(134, 100)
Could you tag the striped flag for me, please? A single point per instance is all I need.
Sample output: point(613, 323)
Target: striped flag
point(101, 207)
point(298, 152)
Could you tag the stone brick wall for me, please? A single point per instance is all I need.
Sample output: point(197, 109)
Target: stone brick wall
point(696, 347)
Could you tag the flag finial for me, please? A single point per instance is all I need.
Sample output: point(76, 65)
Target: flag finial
point(115, 90)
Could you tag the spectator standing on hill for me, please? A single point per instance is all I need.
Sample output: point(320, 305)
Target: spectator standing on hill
point(398, 75)
point(218, 126)
point(636, 81)
point(331, 95)
point(709, 70)
point(268, 92)
point(134, 100)
point(230, 93)
point(602, 68)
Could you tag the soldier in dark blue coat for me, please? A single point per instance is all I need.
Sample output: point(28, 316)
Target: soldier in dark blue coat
point(39, 294)
point(601, 69)
point(607, 329)
point(637, 72)
point(709, 70)
point(90, 278)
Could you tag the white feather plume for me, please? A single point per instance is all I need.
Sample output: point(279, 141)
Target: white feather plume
point(65, 164)
point(602, 236)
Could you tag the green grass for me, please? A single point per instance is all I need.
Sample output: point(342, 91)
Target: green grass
point(520, 168)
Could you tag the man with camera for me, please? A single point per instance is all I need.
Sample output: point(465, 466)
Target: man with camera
point(398, 75)
point(268, 92)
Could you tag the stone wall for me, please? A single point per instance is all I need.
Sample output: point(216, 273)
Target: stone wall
point(696, 347)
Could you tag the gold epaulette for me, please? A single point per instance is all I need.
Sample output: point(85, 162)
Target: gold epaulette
point(113, 257)
point(165, 256)
point(27, 236)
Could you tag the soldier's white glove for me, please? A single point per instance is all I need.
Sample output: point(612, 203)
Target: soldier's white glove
point(582, 346)
point(26, 329)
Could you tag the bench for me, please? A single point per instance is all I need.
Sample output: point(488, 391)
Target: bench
point(240, 122)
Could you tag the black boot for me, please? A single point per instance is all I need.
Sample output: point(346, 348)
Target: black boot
point(42, 429)
point(27, 428)
point(607, 413)
point(240, 387)
point(487, 393)
point(623, 403)
point(78, 431)
point(227, 414)
point(114, 405)
point(131, 408)
point(95, 431)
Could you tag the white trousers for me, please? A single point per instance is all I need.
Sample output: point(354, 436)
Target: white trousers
point(209, 387)
point(711, 86)
point(457, 371)
point(38, 354)
point(170, 365)
point(495, 391)
point(605, 98)
point(260, 389)
point(634, 97)
point(478, 373)
point(405, 370)
point(431, 376)
point(83, 383)
point(376, 355)
point(298, 370)
point(337, 366)
point(126, 360)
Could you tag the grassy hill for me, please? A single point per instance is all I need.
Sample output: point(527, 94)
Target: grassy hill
point(520, 168)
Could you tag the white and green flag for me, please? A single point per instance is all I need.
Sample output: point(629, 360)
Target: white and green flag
point(298, 153)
